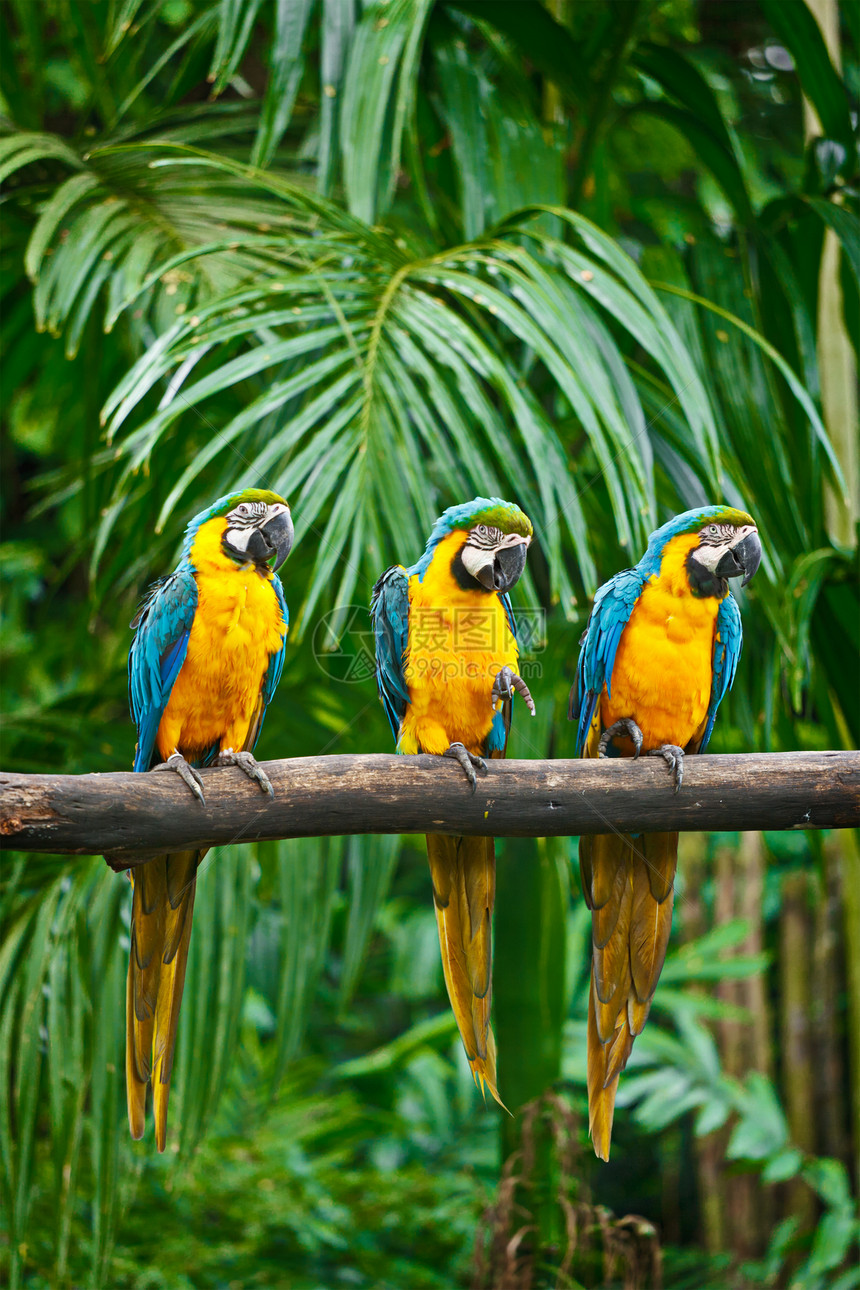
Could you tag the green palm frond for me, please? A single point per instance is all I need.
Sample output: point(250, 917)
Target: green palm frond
point(378, 369)
point(122, 227)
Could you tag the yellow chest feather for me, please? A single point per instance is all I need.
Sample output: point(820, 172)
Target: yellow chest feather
point(238, 626)
point(459, 640)
point(664, 664)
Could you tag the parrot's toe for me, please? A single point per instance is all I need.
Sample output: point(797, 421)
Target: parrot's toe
point(248, 763)
point(506, 682)
point(186, 773)
point(674, 758)
point(468, 761)
point(524, 692)
point(624, 726)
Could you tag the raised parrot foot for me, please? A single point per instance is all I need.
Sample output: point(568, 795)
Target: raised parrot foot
point(674, 757)
point(249, 764)
point(504, 685)
point(186, 773)
point(468, 761)
point(624, 726)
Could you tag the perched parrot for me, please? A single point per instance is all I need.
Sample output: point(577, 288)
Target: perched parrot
point(205, 660)
point(446, 667)
point(658, 654)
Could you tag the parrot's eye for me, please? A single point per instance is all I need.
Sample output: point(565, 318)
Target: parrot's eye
point(482, 530)
point(713, 530)
point(243, 510)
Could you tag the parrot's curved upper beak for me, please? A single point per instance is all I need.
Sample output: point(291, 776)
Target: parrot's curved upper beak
point(272, 542)
point(279, 533)
point(742, 559)
point(508, 566)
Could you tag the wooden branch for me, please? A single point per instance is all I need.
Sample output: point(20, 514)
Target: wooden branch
point(319, 796)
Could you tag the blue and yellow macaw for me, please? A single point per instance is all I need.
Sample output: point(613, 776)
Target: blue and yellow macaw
point(446, 666)
point(205, 661)
point(659, 653)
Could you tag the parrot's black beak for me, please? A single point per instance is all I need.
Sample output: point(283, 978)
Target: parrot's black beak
point(279, 533)
point(272, 543)
point(742, 560)
point(507, 567)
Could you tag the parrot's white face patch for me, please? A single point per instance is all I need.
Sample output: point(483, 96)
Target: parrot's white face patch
point(716, 540)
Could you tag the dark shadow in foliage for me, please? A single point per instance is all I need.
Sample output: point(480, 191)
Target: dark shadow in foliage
point(522, 1246)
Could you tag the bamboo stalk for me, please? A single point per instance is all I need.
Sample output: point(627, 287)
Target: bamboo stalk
point(752, 863)
point(837, 365)
point(799, 1077)
point(753, 1204)
point(833, 1138)
point(850, 847)
point(729, 1030)
point(745, 1044)
point(708, 1150)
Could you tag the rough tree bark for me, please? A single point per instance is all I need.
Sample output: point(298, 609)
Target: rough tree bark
point(140, 815)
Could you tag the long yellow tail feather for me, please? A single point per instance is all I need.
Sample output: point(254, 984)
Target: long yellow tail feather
point(162, 907)
point(628, 885)
point(464, 888)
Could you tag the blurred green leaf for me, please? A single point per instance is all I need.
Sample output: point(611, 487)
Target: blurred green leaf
point(762, 1130)
point(783, 1166)
point(370, 863)
point(286, 68)
point(829, 1180)
point(378, 96)
point(821, 82)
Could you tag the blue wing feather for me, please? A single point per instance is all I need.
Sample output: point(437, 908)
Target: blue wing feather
point(612, 608)
point(728, 642)
point(509, 613)
point(162, 627)
point(389, 613)
point(276, 663)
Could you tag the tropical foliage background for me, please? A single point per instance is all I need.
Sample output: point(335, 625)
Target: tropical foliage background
point(603, 258)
